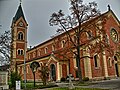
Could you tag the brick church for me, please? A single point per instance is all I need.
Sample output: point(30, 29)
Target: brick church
point(100, 66)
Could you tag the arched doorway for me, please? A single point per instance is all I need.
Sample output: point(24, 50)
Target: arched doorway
point(53, 72)
point(64, 70)
point(116, 66)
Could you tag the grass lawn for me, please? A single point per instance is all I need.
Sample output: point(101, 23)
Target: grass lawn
point(30, 85)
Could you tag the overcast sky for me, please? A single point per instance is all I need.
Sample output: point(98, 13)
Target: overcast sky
point(38, 12)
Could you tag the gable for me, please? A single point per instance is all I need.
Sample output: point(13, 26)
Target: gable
point(51, 59)
point(111, 13)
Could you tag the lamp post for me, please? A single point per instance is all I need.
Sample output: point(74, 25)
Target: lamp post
point(34, 75)
point(34, 65)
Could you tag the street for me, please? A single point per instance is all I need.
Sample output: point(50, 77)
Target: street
point(113, 84)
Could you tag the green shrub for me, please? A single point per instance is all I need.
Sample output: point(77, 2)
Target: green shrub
point(86, 79)
point(62, 79)
point(14, 76)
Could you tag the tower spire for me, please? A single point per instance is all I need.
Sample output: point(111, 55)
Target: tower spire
point(19, 13)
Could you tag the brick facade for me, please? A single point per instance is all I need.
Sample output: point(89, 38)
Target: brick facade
point(49, 52)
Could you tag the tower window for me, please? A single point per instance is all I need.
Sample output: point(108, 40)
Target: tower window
point(20, 36)
point(20, 52)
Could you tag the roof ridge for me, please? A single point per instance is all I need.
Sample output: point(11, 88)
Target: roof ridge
point(92, 19)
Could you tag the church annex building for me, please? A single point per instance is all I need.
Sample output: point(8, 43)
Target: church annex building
point(100, 66)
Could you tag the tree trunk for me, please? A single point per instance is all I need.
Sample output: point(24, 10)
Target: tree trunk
point(78, 64)
point(78, 54)
point(44, 82)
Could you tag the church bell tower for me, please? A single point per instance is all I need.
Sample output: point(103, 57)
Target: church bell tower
point(19, 38)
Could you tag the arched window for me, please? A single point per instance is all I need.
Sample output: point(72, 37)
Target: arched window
point(96, 61)
point(53, 47)
point(34, 54)
point(109, 62)
point(20, 36)
point(46, 50)
point(39, 52)
point(63, 43)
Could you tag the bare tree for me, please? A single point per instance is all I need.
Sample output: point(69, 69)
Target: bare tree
point(44, 73)
point(80, 21)
point(5, 46)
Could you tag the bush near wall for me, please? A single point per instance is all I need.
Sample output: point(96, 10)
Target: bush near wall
point(14, 76)
point(85, 79)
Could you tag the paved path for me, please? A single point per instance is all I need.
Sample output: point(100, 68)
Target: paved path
point(113, 84)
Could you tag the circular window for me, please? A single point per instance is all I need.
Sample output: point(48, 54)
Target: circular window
point(114, 35)
point(21, 23)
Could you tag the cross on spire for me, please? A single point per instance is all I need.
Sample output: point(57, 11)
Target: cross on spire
point(109, 7)
point(20, 1)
